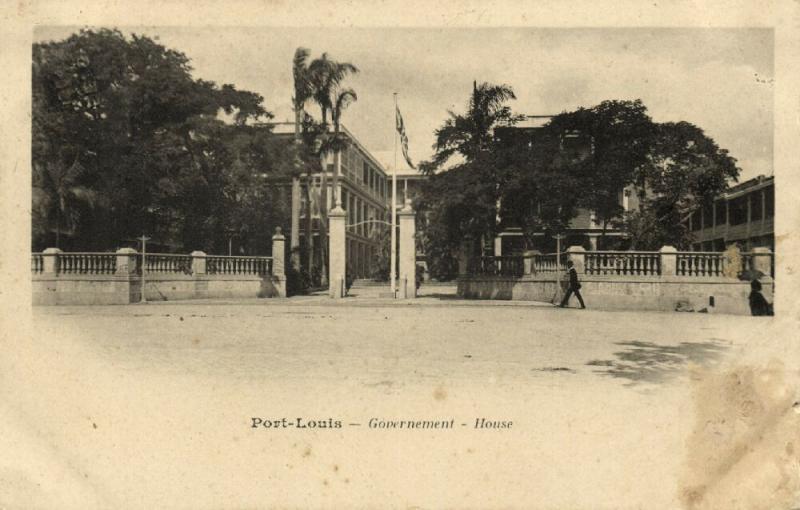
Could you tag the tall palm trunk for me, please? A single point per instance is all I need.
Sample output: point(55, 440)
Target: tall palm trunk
point(323, 209)
point(309, 230)
point(295, 228)
point(323, 224)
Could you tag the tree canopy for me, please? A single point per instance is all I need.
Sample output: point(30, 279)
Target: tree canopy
point(126, 141)
point(538, 179)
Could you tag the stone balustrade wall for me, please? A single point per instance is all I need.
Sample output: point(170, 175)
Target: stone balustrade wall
point(666, 280)
point(119, 278)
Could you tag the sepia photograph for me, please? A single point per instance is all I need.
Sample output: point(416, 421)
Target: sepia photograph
point(359, 266)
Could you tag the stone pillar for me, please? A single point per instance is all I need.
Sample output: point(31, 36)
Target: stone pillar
point(337, 263)
point(198, 262)
point(669, 260)
point(592, 242)
point(762, 260)
point(50, 260)
point(279, 262)
point(527, 260)
point(498, 246)
point(577, 255)
point(464, 254)
point(126, 261)
point(408, 251)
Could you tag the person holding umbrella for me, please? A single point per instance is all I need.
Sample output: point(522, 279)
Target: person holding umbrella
point(574, 286)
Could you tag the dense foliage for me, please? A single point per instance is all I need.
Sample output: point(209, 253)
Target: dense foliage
point(126, 142)
point(580, 160)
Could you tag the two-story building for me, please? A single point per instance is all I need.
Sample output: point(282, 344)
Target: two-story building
point(744, 215)
point(365, 195)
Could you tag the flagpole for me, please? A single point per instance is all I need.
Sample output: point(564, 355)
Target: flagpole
point(393, 208)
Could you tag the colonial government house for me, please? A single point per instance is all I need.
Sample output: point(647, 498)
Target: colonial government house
point(365, 196)
point(742, 215)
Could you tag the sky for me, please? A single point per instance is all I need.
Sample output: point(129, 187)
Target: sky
point(719, 79)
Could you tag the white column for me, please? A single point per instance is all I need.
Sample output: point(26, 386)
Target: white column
point(50, 260)
point(336, 252)
point(408, 252)
point(669, 260)
point(198, 262)
point(279, 262)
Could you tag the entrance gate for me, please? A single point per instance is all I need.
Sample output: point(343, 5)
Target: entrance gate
point(337, 239)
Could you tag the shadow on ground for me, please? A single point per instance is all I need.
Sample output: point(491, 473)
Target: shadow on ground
point(442, 296)
point(652, 363)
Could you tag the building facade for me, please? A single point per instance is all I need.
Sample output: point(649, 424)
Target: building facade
point(365, 195)
point(743, 215)
point(584, 230)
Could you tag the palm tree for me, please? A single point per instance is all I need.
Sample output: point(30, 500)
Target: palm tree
point(56, 192)
point(302, 93)
point(343, 99)
point(470, 135)
point(326, 76)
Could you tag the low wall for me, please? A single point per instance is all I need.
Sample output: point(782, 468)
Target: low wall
point(657, 293)
point(70, 289)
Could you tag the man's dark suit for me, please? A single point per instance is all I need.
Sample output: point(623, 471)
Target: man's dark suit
point(574, 286)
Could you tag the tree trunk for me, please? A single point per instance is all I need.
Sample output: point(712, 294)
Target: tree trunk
point(309, 230)
point(295, 199)
point(58, 226)
point(294, 245)
point(323, 223)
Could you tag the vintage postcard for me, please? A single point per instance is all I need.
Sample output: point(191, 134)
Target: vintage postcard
point(341, 255)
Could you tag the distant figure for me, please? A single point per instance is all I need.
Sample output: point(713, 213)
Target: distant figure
point(758, 304)
point(348, 280)
point(574, 286)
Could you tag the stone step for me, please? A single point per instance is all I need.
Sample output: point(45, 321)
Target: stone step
point(363, 282)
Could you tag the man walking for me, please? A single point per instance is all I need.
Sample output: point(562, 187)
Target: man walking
point(574, 286)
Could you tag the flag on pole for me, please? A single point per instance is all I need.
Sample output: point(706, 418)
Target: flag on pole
point(401, 128)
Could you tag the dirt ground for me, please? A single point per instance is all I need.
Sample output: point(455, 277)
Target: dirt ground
point(151, 406)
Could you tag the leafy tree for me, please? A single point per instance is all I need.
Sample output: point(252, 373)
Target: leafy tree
point(147, 139)
point(613, 142)
point(462, 200)
point(302, 94)
point(539, 192)
point(57, 192)
point(685, 170)
point(580, 159)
